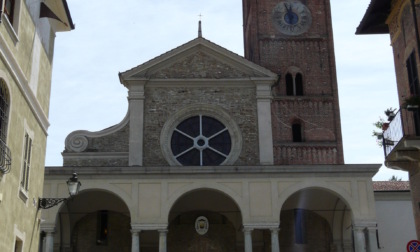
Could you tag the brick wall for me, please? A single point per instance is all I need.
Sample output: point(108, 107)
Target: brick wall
point(312, 55)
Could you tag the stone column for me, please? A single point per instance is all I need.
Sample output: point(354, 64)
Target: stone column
point(337, 246)
point(44, 242)
point(275, 246)
point(372, 244)
point(248, 239)
point(162, 240)
point(265, 131)
point(49, 241)
point(136, 110)
point(359, 239)
point(135, 241)
point(347, 246)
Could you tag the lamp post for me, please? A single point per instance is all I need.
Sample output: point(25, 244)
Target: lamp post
point(73, 186)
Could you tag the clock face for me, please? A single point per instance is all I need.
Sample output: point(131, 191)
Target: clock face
point(291, 17)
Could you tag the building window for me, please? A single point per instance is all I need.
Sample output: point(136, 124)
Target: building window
point(413, 82)
point(297, 132)
point(5, 156)
point(413, 77)
point(18, 245)
point(11, 13)
point(9, 9)
point(4, 110)
point(102, 228)
point(289, 85)
point(201, 140)
point(294, 84)
point(24, 182)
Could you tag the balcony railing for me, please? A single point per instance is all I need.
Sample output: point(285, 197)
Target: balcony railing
point(403, 125)
point(5, 157)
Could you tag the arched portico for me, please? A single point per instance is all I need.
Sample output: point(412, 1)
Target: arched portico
point(89, 220)
point(206, 186)
point(318, 218)
point(205, 219)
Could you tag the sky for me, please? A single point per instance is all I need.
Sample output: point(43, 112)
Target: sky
point(110, 38)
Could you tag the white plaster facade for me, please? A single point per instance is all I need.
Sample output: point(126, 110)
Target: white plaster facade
point(394, 213)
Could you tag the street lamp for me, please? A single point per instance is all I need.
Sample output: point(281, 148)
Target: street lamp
point(73, 185)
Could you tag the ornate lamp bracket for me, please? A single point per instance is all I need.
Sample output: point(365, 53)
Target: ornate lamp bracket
point(45, 203)
point(73, 185)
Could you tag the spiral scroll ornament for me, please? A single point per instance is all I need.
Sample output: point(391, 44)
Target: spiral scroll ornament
point(77, 143)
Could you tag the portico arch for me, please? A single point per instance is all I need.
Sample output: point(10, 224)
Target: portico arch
point(91, 219)
point(225, 190)
point(343, 193)
point(205, 218)
point(315, 219)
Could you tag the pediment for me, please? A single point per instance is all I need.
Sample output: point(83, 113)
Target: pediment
point(197, 59)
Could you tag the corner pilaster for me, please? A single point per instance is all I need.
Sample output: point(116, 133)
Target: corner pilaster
point(265, 131)
point(136, 110)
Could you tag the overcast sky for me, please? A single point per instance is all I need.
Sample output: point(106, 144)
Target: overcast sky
point(110, 38)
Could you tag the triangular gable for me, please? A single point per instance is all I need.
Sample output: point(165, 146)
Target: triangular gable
point(198, 59)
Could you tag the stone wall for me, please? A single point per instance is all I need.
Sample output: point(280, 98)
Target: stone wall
point(162, 102)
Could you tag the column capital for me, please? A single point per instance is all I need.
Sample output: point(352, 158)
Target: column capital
point(275, 230)
point(247, 229)
point(135, 231)
point(362, 225)
point(48, 229)
point(164, 231)
point(148, 226)
point(262, 225)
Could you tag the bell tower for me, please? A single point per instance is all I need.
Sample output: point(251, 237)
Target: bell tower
point(294, 39)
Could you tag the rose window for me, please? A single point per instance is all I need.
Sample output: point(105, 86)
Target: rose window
point(201, 141)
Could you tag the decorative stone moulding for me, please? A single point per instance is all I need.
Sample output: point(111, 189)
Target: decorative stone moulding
point(78, 141)
point(201, 225)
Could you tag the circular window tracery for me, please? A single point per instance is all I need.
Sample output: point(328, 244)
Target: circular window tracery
point(201, 135)
point(201, 140)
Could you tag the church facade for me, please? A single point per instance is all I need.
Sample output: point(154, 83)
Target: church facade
point(220, 152)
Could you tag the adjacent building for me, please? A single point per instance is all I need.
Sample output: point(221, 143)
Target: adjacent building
point(27, 34)
point(400, 19)
point(394, 213)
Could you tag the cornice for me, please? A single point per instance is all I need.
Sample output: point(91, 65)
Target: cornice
point(352, 170)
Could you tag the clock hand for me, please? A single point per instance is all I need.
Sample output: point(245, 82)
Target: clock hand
point(288, 8)
point(289, 13)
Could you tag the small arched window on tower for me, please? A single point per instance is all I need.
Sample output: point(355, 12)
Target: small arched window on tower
point(294, 84)
point(297, 132)
point(5, 156)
